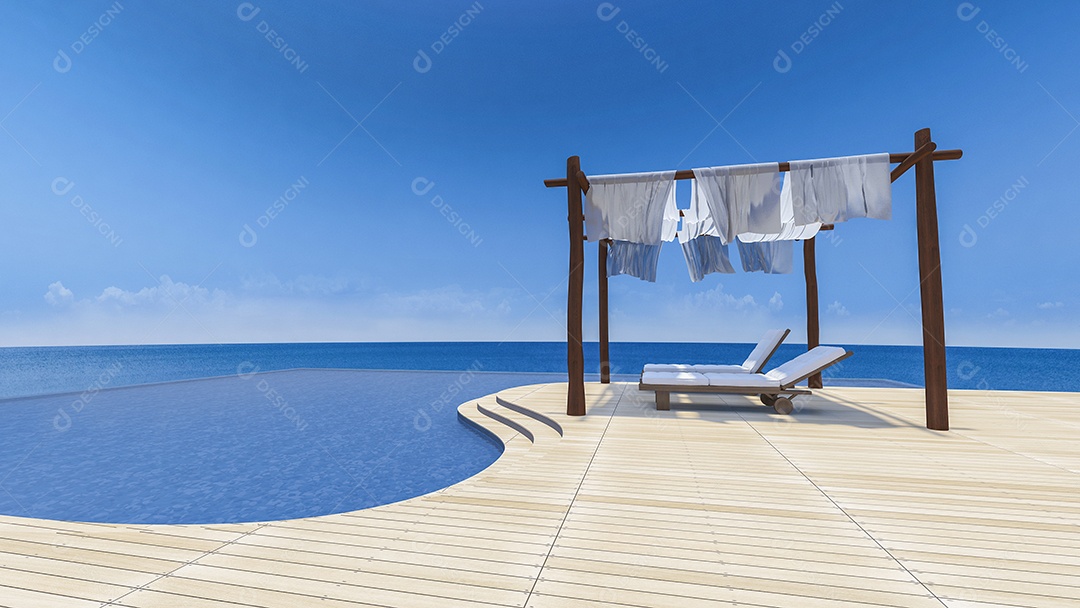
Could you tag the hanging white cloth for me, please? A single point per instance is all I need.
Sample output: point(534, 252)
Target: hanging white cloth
point(671, 219)
point(789, 231)
point(635, 259)
point(704, 250)
point(771, 257)
point(741, 198)
point(706, 254)
point(629, 207)
point(838, 189)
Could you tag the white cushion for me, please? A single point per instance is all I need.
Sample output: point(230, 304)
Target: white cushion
point(720, 369)
point(668, 367)
point(674, 378)
point(742, 380)
point(764, 348)
point(697, 367)
point(753, 363)
point(805, 364)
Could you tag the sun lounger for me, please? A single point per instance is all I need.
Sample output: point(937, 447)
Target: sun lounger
point(776, 388)
point(761, 354)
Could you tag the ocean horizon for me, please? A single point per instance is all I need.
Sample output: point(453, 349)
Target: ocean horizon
point(38, 370)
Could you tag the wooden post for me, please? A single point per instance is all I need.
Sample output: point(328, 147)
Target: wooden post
point(575, 355)
point(813, 331)
point(605, 353)
point(933, 306)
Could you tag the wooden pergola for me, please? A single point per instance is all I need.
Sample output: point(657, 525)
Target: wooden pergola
point(933, 318)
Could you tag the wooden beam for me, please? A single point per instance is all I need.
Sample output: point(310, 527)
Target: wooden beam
point(583, 181)
point(933, 307)
point(575, 355)
point(813, 330)
point(895, 157)
point(605, 352)
point(909, 162)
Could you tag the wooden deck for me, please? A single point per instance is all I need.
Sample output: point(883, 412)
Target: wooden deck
point(848, 502)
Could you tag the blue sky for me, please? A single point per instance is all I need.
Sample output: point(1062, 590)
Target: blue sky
point(415, 207)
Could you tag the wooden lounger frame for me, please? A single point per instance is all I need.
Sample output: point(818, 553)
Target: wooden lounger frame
point(779, 398)
point(935, 374)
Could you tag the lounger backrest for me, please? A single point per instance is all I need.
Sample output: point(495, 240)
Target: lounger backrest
point(764, 350)
point(807, 364)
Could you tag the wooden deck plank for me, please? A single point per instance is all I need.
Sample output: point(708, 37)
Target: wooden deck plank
point(12, 597)
point(848, 502)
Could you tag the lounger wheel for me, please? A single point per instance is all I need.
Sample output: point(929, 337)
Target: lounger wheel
point(768, 400)
point(783, 405)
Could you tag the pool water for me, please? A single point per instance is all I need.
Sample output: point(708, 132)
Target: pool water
point(242, 448)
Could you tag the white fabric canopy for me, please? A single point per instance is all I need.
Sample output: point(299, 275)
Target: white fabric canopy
point(789, 230)
point(770, 257)
point(635, 259)
point(838, 189)
point(742, 203)
point(671, 219)
point(741, 198)
point(629, 207)
point(704, 250)
point(697, 220)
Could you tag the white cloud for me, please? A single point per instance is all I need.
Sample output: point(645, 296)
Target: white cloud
point(149, 315)
point(449, 299)
point(267, 312)
point(1000, 313)
point(58, 295)
point(307, 284)
point(838, 309)
point(776, 302)
point(1049, 305)
point(166, 291)
point(717, 298)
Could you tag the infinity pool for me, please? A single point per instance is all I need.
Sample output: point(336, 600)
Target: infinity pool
point(243, 448)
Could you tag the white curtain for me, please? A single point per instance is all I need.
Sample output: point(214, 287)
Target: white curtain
point(628, 207)
point(741, 198)
point(834, 190)
point(789, 230)
point(770, 257)
point(635, 259)
point(704, 250)
point(747, 204)
point(634, 211)
point(671, 219)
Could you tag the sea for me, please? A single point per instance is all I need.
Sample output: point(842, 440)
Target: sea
point(26, 371)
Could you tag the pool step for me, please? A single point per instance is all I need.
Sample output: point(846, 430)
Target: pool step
point(555, 426)
point(469, 412)
point(506, 419)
